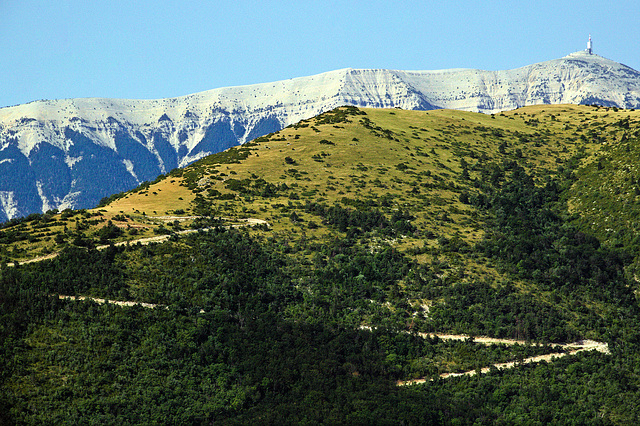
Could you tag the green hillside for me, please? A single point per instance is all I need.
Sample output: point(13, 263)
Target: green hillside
point(376, 234)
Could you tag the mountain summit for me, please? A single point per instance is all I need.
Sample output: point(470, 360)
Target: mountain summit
point(72, 152)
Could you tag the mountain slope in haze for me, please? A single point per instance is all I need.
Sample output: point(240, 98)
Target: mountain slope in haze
point(72, 152)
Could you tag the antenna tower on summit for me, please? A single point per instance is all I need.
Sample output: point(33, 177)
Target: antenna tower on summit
point(590, 46)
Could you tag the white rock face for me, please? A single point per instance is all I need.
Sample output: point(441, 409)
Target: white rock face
point(8, 203)
point(72, 152)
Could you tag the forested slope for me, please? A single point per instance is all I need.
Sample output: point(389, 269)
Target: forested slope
point(383, 224)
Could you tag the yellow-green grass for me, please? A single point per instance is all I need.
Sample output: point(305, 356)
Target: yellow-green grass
point(412, 157)
point(161, 199)
point(342, 172)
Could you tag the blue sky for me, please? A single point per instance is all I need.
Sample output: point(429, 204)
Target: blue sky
point(153, 49)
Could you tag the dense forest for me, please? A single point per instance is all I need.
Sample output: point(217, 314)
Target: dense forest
point(287, 325)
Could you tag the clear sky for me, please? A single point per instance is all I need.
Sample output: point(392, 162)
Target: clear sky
point(53, 49)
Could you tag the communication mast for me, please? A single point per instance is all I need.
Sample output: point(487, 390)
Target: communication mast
point(590, 46)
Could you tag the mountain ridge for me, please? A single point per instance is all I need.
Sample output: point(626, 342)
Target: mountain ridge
point(72, 152)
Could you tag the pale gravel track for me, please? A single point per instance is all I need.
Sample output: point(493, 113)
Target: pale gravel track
point(127, 303)
point(570, 348)
point(157, 239)
point(111, 302)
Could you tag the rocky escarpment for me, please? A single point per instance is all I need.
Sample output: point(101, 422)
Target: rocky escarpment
point(73, 152)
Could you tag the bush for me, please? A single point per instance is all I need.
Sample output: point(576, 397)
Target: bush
point(108, 232)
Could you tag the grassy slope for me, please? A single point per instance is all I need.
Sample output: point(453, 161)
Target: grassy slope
point(389, 159)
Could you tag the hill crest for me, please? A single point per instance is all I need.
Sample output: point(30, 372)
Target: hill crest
point(70, 153)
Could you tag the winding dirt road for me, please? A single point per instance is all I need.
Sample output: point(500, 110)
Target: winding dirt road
point(101, 301)
point(112, 302)
point(569, 348)
point(157, 239)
